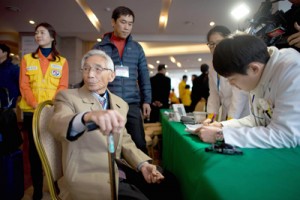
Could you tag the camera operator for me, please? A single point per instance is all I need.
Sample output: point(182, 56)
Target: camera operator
point(293, 26)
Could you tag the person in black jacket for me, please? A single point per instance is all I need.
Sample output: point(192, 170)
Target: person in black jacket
point(161, 86)
point(293, 27)
point(200, 87)
point(9, 76)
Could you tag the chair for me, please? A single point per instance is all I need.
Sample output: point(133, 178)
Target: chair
point(49, 149)
point(153, 132)
point(201, 105)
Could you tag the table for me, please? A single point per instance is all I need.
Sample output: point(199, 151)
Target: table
point(267, 174)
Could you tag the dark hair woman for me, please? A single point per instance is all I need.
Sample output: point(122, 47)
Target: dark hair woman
point(43, 73)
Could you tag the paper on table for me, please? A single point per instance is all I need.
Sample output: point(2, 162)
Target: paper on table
point(192, 127)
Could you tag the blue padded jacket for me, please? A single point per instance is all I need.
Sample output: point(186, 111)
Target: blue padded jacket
point(136, 88)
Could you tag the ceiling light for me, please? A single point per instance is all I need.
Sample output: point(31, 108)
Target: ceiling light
point(173, 60)
point(89, 13)
point(166, 66)
point(178, 64)
point(99, 39)
point(151, 66)
point(157, 61)
point(167, 73)
point(186, 71)
point(31, 22)
point(164, 12)
point(199, 59)
point(240, 11)
point(163, 19)
point(176, 50)
point(212, 23)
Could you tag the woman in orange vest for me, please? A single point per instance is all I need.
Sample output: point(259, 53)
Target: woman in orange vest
point(173, 98)
point(186, 98)
point(43, 73)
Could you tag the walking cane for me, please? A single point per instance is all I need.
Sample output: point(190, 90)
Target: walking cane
point(111, 159)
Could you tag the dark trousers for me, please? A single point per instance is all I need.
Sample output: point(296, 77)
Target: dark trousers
point(155, 113)
point(128, 191)
point(135, 187)
point(135, 126)
point(36, 169)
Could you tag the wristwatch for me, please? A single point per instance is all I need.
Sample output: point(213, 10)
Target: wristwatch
point(220, 136)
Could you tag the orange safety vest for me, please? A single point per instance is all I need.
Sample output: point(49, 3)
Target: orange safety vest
point(43, 87)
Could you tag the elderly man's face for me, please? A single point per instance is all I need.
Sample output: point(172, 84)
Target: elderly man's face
point(96, 76)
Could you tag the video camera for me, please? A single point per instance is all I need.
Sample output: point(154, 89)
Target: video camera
point(267, 26)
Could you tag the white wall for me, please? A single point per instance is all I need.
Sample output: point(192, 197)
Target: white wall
point(176, 77)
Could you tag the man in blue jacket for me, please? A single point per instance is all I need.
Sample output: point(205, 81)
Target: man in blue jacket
point(132, 82)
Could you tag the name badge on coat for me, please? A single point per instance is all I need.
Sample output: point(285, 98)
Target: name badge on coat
point(122, 71)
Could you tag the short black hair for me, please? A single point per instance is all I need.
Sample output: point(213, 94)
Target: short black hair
point(122, 10)
point(204, 68)
point(184, 77)
point(233, 55)
point(5, 48)
point(223, 30)
point(161, 66)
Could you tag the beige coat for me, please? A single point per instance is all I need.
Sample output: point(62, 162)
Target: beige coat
point(85, 160)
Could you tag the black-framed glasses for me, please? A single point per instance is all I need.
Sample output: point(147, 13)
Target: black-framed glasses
point(97, 69)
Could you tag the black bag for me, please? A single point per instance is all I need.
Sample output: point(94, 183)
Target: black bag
point(12, 176)
point(10, 134)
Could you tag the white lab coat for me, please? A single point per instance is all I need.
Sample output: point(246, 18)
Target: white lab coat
point(275, 109)
point(234, 102)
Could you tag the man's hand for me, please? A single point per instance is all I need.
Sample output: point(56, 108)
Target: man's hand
point(294, 39)
point(107, 120)
point(146, 110)
point(151, 174)
point(208, 133)
point(206, 122)
point(157, 104)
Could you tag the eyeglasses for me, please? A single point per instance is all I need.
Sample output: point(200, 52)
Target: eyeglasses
point(213, 44)
point(97, 69)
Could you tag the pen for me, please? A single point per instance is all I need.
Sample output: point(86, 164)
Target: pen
point(253, 98)
point(213, 118)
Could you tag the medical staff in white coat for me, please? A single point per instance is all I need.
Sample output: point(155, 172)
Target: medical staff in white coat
point(233, 101)
point(271, 76)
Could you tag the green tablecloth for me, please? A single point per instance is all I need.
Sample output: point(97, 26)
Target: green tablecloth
point(267, 174)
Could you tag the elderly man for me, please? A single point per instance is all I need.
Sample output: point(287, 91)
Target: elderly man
point(271, 77)
point(85, 154)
